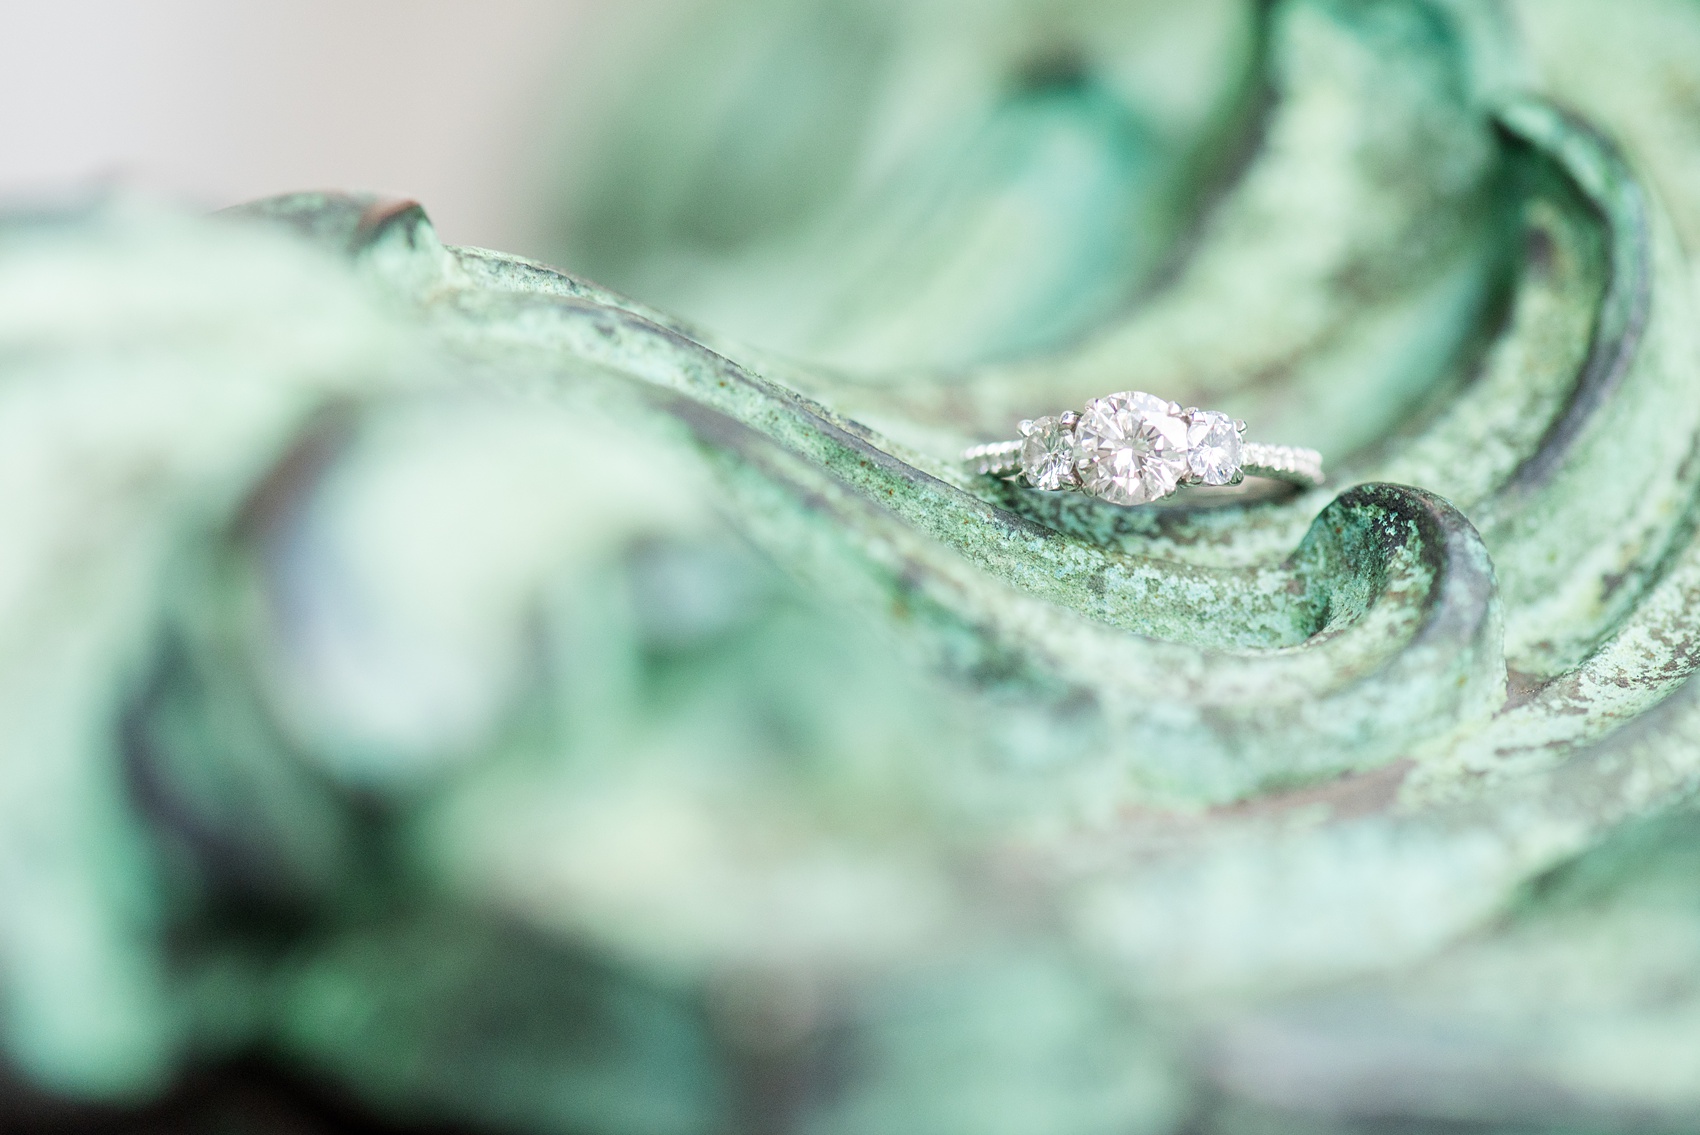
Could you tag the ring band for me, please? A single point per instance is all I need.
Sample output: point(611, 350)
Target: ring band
point(1135, 448)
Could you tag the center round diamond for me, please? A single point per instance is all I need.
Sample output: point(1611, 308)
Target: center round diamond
point(1130, 448)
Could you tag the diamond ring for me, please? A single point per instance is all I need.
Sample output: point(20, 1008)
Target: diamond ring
point(1135, 448)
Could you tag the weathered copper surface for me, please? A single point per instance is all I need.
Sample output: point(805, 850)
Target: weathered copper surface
point(514, 703)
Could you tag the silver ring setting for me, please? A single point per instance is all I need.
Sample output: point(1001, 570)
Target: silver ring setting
point(1135, 448)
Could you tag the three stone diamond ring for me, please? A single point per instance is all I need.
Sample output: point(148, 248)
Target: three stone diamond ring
point(1134, 448)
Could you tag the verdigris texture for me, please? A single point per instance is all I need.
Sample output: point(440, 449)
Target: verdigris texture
point(509, 703)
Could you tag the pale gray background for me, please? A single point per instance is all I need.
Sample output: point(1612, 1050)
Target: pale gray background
point(458, 103)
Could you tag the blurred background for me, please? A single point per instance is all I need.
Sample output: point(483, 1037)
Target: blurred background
point(217, 103)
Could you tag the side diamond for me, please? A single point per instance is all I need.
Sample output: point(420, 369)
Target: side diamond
point(1213, 447)
point(1047, 454)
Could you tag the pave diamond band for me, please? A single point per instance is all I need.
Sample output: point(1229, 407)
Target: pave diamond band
point(1134, 448)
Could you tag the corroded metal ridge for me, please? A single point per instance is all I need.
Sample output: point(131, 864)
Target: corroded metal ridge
point(1376, 639)
point(1204, 755)
point(1373, 644)
point(1598, 170)
point(1389, 590)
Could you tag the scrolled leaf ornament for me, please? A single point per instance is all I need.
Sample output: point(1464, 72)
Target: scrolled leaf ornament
point(519, 704)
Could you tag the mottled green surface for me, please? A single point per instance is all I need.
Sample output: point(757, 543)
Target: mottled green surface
point(515, 703)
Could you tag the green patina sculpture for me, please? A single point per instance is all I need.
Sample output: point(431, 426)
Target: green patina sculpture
point(519, 704)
